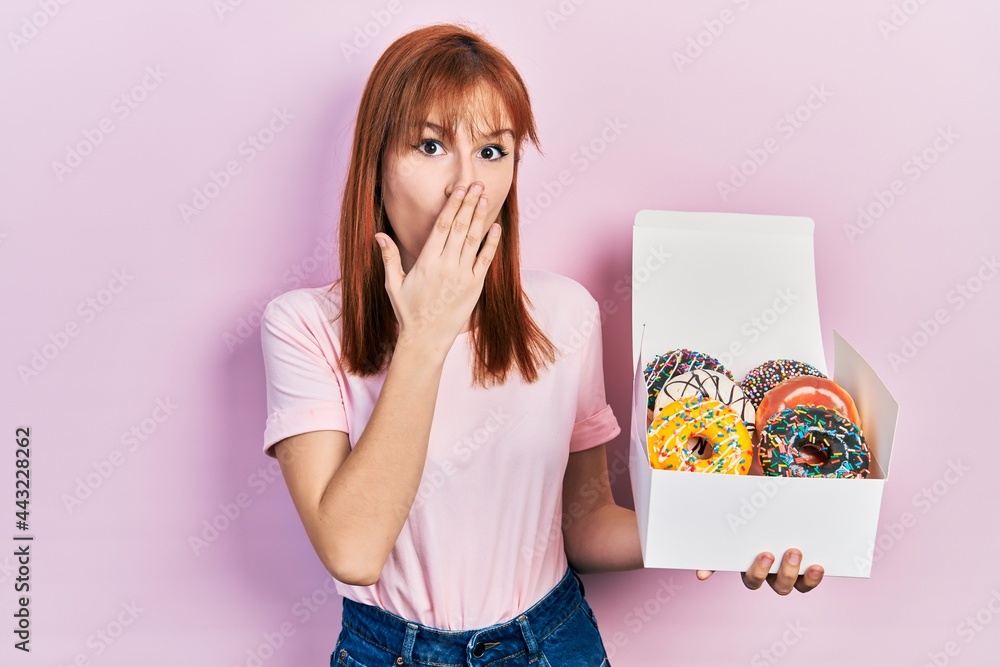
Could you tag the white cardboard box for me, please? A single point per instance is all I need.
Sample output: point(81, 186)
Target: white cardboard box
point(742, 288)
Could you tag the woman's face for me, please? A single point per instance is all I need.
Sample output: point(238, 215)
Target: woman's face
point(417, 183)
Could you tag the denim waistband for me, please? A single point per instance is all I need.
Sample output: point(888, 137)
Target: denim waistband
point(416, 642)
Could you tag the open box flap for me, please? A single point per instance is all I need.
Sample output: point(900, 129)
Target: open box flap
point(763, 304)
point(638, 455)
point(878, 409)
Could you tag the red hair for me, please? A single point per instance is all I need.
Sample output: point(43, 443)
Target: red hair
point(442, 67)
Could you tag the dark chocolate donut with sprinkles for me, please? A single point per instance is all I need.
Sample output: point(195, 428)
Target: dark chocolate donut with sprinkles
point(841, 450)
point(770, 374)
point(670, 364)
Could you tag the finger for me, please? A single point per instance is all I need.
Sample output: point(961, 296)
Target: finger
point(754, 577)
point(462, 222)
point(477, 228)
point(810, 579)
point(703, 574)
point(486, 255)
point(390, 260)
point(784, 581)
point(442, 226)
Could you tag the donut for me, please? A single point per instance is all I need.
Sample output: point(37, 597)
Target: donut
point(709, 384)
point(807, 390)
point(699, 417)
point(770, 374)
point(787, 437)
point(675, 362)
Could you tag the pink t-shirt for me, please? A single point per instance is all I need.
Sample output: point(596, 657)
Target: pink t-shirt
point(483, 540)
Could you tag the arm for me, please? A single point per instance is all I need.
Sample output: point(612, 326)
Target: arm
point(599, 535)
point(353, 503)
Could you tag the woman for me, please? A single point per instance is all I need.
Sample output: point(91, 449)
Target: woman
point(439, 412)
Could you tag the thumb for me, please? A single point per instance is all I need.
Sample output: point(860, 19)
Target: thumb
point(390, 258)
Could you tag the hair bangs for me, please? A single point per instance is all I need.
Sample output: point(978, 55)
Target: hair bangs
point(451, 92)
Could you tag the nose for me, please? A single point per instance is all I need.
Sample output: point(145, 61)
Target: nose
point(465, 174)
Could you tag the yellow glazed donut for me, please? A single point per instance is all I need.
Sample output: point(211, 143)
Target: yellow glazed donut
point(711, 420)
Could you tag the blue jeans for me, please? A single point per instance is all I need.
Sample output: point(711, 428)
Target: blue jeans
point(557, 631)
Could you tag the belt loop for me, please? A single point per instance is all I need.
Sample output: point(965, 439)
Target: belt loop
point(579, 581)
point(529, 638)
point(411, 637)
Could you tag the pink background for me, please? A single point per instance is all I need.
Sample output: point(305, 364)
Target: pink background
point(178, 327)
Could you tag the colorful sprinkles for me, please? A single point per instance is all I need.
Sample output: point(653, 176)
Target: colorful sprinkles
point(665, 366)
point(770, 374)
point(709, 384)
point(673, 432)
point(790, 431)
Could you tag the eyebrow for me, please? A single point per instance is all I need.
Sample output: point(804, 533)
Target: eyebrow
point(440, 131)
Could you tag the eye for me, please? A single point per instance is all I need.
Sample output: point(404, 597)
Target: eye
point(431, 143)
point(493, 152)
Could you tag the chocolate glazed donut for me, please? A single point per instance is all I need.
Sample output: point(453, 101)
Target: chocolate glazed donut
point(787, 437)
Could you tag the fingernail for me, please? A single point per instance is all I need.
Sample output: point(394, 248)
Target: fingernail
point(482, 202)
point(767, 560)
point(477, 187)
point(381, 241)
point(794, 558)
point(815, 573)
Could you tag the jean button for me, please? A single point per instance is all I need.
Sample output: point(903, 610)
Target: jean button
point(478, 650)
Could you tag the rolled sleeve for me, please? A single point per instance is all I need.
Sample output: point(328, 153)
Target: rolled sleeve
point(596, 424)
point(303, 391)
